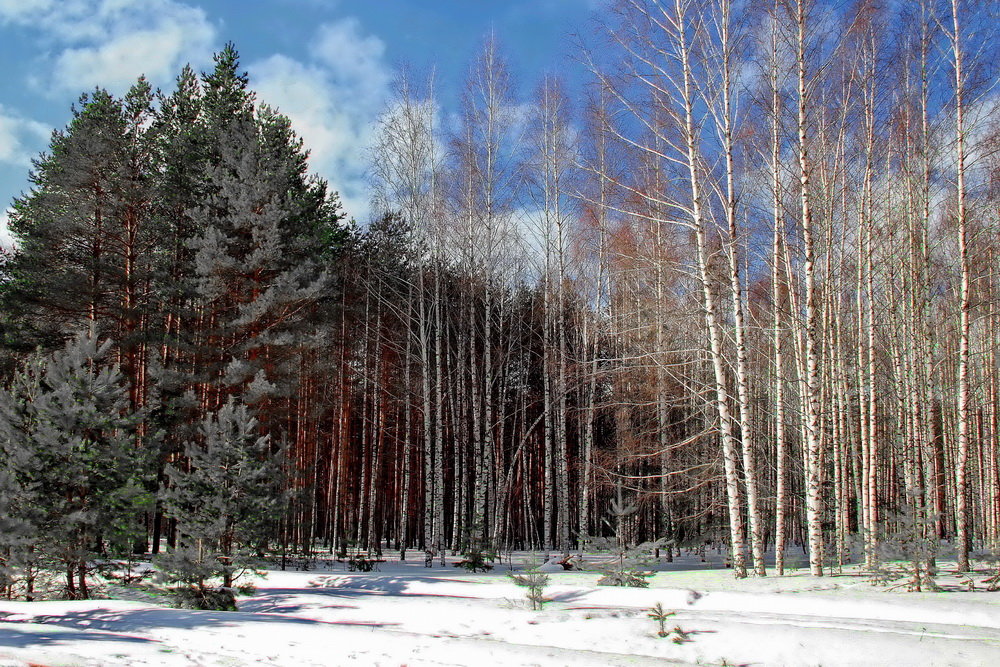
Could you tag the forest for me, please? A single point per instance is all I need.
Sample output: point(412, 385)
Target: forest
point(737, 288)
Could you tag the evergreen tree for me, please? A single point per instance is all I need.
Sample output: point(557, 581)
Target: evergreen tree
point(252, 283)
point(181, 150)
point(256, 276)
point(186, 228)
point(478, 552)
point(535, 581)
point(67, 437)
point(17, 533)
point(226, 497)
point(626, 568)
point(84, 238)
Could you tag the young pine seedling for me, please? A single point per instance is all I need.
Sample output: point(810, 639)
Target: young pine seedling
point(660, 615)
point(535, 582)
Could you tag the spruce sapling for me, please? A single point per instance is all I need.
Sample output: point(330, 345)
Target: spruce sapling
point(907, 554)
point(534, 581)
point(660, 615)
point(625, 569)
point(478, 553)
point(677, 635)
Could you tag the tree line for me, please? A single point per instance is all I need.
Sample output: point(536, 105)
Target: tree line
point(743, 286)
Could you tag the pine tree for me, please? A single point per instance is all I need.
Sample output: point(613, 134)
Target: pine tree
point(181, 149)
point(252, 282)
point(626, 566)
point(226, 497)
point(533, 580)
point(55, 274)
point(261, 228)
point(244, 285)
point(186, 228)
point(67, 435)
point(478, 552)
point(19, 515)
point(17, 532)
point(85, 241)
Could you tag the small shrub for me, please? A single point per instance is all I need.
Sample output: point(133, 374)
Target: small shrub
point(625, 577)
point(679, 636)
point(474, 564)
point(204, 599)
point(361, 563)
point(246, 590)
point(626, 567)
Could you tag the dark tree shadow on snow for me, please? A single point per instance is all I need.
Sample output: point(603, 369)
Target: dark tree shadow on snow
point(367, 586)
point(138, 620)
point(567, 597)
point(14, 638)
point(288, 601)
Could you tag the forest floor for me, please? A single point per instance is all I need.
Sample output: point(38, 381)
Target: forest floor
point(406, 614)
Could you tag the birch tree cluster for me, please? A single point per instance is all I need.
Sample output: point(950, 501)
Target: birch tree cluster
point(746, 284)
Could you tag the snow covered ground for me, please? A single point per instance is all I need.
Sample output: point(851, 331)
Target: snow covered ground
point(407, 614)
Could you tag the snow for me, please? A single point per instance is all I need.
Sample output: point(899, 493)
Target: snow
point(551, 565)
point(407, 614)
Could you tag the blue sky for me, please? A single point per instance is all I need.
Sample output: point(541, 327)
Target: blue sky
point(326, 63)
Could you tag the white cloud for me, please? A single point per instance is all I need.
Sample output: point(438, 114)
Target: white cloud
point(6, 240)
point(20, 138)
point(354, 60)
point(332, 100)
point(110, 43)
